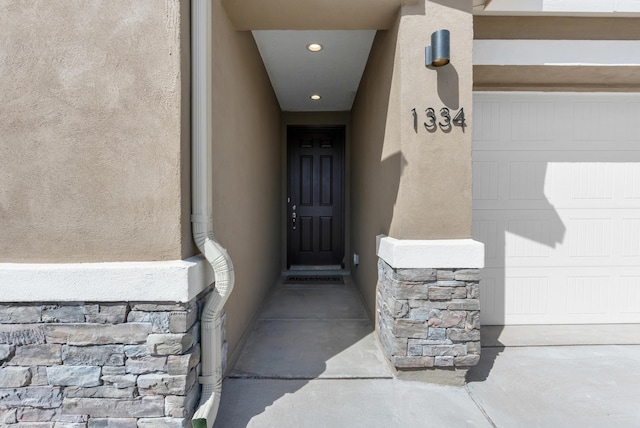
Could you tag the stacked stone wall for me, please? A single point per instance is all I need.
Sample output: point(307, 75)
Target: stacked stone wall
point(96, 365)
point(429, 318)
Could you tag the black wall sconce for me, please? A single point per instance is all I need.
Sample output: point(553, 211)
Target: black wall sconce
point(437, 54)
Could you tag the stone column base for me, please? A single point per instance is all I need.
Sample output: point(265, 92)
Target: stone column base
point(428, 310)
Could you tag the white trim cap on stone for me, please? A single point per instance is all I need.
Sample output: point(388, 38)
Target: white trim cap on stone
point(438, 253)
point(162, 281)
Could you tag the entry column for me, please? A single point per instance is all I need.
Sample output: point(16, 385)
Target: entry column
point(428, 308)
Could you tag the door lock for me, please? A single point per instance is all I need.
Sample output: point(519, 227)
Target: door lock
point(294, 215)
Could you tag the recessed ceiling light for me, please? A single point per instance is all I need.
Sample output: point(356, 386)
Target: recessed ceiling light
point(314, 47)
point(315, 97)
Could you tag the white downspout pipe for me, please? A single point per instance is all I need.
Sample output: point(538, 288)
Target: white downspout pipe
point(202, 222)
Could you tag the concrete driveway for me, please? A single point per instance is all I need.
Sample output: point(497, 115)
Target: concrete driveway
point(312, 361)
point(560, 386)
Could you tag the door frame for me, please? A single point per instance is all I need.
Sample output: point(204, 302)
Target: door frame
point(342, 128)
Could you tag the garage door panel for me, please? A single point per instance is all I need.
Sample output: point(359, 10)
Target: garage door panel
point(526, 180)
point(518, 236)
point(606, 238)
point(532, 121)
point(486, 231)
point(575, 119)
point(594, 185)
point(558, 238)
point(595, 121)
point(587, 180)
point(630, 114)
point(487, 120)
point(492, 297)
point(557, 204)
point(527, 295)
point(508, 182)
point(485, 186)
point(630, 295)
point(631, 239)
point(559, 296)
point(591, 186)
point(631, 180)
point(589, 237)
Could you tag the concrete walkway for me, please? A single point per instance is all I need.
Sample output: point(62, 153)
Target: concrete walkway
point(312, 361)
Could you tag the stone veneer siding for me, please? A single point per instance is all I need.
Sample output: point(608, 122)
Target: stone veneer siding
point(429, 318)
point(73, 365)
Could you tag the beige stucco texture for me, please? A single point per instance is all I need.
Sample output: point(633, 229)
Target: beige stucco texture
point(94, 118)
point(247, 168)
point(434, 197)
point(313, 14)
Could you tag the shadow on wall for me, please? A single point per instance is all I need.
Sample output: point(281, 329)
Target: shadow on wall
point(448, 86)
point(550, 235)
point(377, 163)
point(390, 170)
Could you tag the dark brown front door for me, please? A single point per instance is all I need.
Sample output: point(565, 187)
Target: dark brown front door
point(315, 220)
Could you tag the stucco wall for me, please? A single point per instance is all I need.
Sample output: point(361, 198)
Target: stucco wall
point(411, 183)
point(434, 197)
point(246, 170)
point(555, 28)
point(310, 14)
point(94, 126)
point(376, 160)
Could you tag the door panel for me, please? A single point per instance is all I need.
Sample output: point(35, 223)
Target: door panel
point(315, 221)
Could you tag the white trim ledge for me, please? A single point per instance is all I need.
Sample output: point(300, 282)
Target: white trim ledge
point(162, 281)
point(558, 7)
point(425, 254)
point(619, 53)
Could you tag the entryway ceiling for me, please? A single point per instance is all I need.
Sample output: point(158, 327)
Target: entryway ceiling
point(283, 29)
point(297, 73)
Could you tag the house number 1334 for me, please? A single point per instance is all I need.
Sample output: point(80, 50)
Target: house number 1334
point(442, 120)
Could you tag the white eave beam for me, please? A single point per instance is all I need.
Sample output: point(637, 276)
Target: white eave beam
point(557, 52)
point(559, 7)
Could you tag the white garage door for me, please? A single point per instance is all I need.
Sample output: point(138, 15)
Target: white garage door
point(556, 193)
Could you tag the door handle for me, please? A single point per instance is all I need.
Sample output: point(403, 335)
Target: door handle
point(294, 215)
